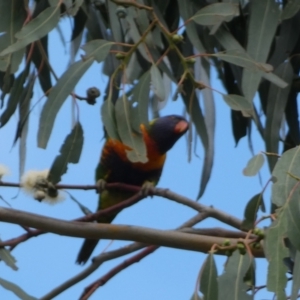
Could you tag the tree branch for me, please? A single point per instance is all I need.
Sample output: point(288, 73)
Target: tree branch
point(167, 238)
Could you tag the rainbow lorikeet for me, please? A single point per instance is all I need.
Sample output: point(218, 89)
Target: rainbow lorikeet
point(159, 137)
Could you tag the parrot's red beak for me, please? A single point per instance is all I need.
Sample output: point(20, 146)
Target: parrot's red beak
point(181, 127)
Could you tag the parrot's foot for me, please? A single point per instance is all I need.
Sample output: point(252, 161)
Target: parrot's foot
point(147, 188)
point(101, 185)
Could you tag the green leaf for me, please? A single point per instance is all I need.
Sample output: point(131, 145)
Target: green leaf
point(14, 98)
point(186, 11)
point(293, 213)
point(208, 279)
point(108, 119)
point(250, 213)
point(277, 99)
point(263, 23)
point(226, 39)
point(13, 16)
point(141, 96)
point(22, 130)
point(98, 49)
point(231, 282)
point(215, 13)
point(237, 102)
point(57, 96)
point(70, 152)
point(9, 260)
point(284, 173)
point(35, 29)
point(291, 8)
point(254, 165)
point(157, 83)
point(193, 108)
point(16, 290)
point(296, 277)
point(134, 140)
point(201, 69)
point(134, 33)
point(275, 252)
point(242, 59)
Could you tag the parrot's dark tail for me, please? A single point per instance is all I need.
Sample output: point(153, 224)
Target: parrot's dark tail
point(86, 251)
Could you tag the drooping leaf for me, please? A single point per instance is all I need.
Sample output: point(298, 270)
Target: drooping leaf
point(141, 96)
point(157, 83)
point(237, 102)
point(57, 96)
point(215, 13)
point(193, 108)
point(201, 70)
point(226, 39)
point(277, 99)
point(109, 120)
point(134, 140)
point(208, 279)
point(292, 213)
point(262, 27)
point(254, 165)
point(284, 173)
point(35, 29)
point(70, 152)
point(186, 11)
point(16, 290)
point(13, 16)
point(9, 260)
point(290, 9)
point(250, 213)
point(242, 59)
point(275, 252)
point(14, 98)
point(231, 282)
point(98, 49)
point(39, 48)
point(134, 32)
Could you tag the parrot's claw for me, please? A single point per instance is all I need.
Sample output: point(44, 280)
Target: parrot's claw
point(147, 188)
point(101, 185)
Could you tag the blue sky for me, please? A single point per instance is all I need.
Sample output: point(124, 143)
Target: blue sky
point(46, 261)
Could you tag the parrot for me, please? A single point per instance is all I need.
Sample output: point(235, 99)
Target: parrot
point(159, 137)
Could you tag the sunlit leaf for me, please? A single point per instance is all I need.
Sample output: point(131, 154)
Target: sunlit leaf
point(57, 96)
point(16, 290)
point(215, 13)
point(70, 152)
point(208, 279)
point(254, 165)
